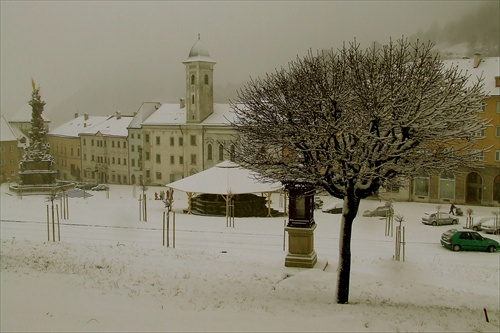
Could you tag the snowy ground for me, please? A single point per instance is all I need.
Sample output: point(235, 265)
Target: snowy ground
point(110, 272)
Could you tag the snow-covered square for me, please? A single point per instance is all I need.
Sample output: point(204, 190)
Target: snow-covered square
point(111, 272)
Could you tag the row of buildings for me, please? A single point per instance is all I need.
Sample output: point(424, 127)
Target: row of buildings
point(162, 143)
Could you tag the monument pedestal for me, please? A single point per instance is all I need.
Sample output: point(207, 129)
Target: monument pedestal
point(301, 247)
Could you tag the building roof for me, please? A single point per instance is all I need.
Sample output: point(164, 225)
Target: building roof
point(6, 131)
point(173, 114)
point(76, 125)
point(226, 178)
point(113, 126)
point(25, 115)
point(488, 68)
point(144, 112)
point(199, 53)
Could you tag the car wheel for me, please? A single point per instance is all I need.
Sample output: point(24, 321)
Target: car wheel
point(475, 228)
point(455, 221)
point(434, 223)
point(491, 248)
point(456, 248)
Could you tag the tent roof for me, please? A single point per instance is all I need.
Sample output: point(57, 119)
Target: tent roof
point(225, 178)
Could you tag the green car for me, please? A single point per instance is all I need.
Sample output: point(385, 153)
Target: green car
point(468, 240)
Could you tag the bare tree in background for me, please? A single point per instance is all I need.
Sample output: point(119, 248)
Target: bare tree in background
point(354, 120)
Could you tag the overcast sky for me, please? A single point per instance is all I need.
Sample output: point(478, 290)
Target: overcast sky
point(99, 57)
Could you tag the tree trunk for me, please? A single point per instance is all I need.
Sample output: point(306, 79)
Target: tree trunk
point(351, 205)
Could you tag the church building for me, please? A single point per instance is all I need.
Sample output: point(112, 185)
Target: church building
point(181, 139)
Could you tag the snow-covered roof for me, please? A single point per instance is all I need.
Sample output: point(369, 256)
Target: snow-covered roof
point(225, 178)
point(144, 112)
point(489, 68)
point(113, 126)
point(76, 125)
point(6, 131)
point(173, 114)
point(167, 114)
point(25, 115)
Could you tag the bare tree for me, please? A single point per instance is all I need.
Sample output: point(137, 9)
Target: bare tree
point(353, 120)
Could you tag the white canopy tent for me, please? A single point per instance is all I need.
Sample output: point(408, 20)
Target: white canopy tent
point(226, 179)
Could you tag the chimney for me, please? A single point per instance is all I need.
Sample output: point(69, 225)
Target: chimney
point(76, 115)
point(477, 59)
point(86, 116)
point(118, 114)
point(182, 103)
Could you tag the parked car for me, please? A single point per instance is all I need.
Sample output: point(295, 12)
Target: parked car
point(379, 211)
point(439, 219)
point(85, 186)
point(491, 226)
point(318, 203)
point(477, 225)
point(468, 240)
point(335, 208)
point(100, 187)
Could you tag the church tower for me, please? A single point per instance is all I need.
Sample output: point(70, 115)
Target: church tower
point(199, 83)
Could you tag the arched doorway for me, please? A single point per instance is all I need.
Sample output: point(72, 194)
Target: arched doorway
point(496, 189)
point(474, 188)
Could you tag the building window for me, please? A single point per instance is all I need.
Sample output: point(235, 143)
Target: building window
point(84, 142)
point(148, 174)
point(138, 135)
point(181, 141)
point(157, 140)
point(498, 131)
point(92, 160)
point(221, 152)
point(206, 79)
point(209, 152)
point(158, 158)
point(112, 144)
point(118, 143)
point(132, 162)
point(498, 107)
point(181, 160)
point(193, 158)
point(479, 133)
point(147, 156)
point(192, 79)
point(172, 141)
point(132, 135)
point(132, 149)
point(192, 99)
point(497, 155)
point(113, 160)
point(158, 175)
point(12, 149)
point(483, 107)
point(92, 142)
point(193, 140)
point(118, 161)
point(147, 138)
point(478, 155)
point(447, 185)
point(84, 157)
point(422, 185)
point(172, 159)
